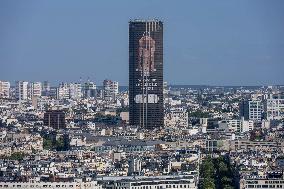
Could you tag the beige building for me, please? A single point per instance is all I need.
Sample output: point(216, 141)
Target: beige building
point(4, 89)
point(261, 182)
point(36, 183)
point(155, 183)
point(176, 117)
point(245, 145)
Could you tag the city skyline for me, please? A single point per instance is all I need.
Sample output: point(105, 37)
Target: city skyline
point(241, 43)
point(153, 94)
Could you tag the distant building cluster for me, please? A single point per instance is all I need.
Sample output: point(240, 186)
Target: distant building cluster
point(24, 90)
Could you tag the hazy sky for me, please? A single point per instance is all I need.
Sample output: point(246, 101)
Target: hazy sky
point(216, 42)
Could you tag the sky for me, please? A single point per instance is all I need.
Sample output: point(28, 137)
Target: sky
point(206, 42)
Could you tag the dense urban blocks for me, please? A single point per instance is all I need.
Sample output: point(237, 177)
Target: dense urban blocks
point(146, 73)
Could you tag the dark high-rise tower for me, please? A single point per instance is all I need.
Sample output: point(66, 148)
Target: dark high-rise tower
point(146, 73)
point(54, 119)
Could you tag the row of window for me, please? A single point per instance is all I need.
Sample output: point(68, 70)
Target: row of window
point(265, 186)
point(158, 187)
point(36, 186)
point(41, 186)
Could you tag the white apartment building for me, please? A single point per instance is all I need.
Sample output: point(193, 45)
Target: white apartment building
point(4, 89)
point(251, 110)
point(255, 110)
point(63, 91)
point(176, 117)
point(75, 90)
point(110, 90)
point(274, 108)
point(134, 166)
point(35, 89)
point(69, 90)
point(237, 125)
point(22, 90)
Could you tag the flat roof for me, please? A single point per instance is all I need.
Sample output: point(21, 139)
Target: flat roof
point(145, 20)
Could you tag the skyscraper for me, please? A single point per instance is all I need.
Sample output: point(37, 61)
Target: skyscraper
point(54, 119)
point(146, 73)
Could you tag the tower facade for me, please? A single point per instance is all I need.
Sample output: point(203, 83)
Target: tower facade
point(146, 73)
point(54, 119)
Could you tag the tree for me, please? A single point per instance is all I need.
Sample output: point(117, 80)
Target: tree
point(60, 145)
point(198, 114)
point(17, 156)
point(225, 180)
point(223, 168)
point(208, 184)
point(208, 168)
point(228, 187)
point(47, 144)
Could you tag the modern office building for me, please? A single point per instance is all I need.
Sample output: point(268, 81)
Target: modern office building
point(54, 119)
point(146, 73)
point(4, 89)
point(251, 110)
point(110, 89)
point(22, 90)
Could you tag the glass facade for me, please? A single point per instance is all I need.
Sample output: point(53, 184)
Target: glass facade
point(146, 73)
